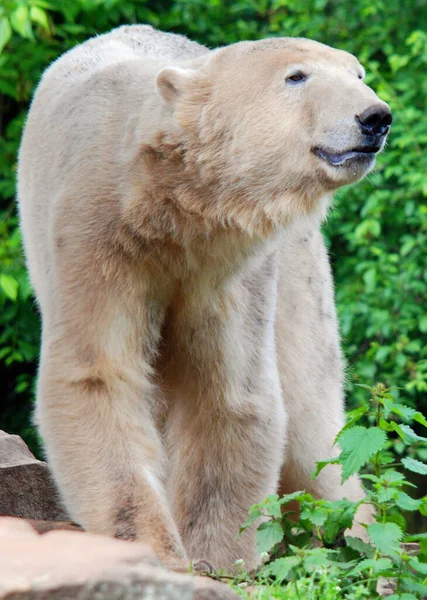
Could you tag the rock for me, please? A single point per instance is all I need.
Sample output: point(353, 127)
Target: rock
point(45, 526)
point(68, 565)
point(386, 587)
point(26, 487)
point(207, 589)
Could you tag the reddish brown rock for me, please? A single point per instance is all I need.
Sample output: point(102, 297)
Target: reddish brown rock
point(67, 565)
point(45, 526)
point(26, 486)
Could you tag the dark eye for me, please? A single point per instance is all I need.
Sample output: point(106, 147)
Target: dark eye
point(296, 77)
point(360, 76)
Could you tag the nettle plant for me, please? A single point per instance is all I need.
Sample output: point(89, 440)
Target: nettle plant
point(311, 551)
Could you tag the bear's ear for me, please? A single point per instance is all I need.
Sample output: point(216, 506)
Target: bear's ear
point(171, 82)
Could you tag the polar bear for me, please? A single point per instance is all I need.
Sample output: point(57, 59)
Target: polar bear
point(171, 199)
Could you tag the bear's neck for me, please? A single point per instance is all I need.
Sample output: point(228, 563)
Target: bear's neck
point(184, 218)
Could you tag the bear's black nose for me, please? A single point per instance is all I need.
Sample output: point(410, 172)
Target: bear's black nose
point(375, 120)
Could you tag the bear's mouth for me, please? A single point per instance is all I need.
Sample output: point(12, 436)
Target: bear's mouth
point(361, 154)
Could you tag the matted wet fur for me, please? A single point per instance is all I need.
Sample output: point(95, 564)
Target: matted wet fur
point(171, 199)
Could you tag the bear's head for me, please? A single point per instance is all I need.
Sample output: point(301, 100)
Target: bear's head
point(273, 127)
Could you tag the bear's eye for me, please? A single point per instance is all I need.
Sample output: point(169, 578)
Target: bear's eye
point(297, 77)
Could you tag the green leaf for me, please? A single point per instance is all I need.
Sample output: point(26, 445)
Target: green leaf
point(254, 514)
point(386, 494)
point(406, 412)
point(39, 16)
point(414, 465)
point(9, 285)
point(369, 477)
point(5, 32)
point(353, 417)
point(392, 477)
point(423, 506)
point(272, 506)
point(421, 567)
point(407, 434)
point(340, 517)
point(289, 497)
point(281, 567)
point(358, 445)
point(385, 536)
point(317, 515)
point(422, 324)
point(380, 564)
point(405, 502)
point(318, 557)
point(370, 279)
point(419, 418)
point(268, 535)
point(360, 546)
point(322, 464)
point(416, 537)
point(21, 22)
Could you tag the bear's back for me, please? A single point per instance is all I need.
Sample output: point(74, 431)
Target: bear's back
point(125, 43)
point(147, 41)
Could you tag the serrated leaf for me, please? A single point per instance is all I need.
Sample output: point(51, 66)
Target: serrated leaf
point(386, 494)
point(360, 546)
point(407, 434)
point(419, 418)
point(358, 444)
point(317, 516)
point(9, 285)
point(272, 506)
point(369, 477)
point(405, 502)
point(254, 514)
point(381, 564)
point(338, 520)
point(385, 536)
point(352, 417)
point(289, 497)
point(317, 557)
point(281, 567)
point(391, 477)
point(414, 465)
point(268, 535)
point(406, 412)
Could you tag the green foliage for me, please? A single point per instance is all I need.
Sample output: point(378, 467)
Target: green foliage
point(378, 230)
point(345, 566)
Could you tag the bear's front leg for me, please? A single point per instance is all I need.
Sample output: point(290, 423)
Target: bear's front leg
point(225, 430)
point(95, 407)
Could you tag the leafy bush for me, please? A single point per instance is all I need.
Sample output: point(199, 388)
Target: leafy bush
point(378, 231)
point(345, 566)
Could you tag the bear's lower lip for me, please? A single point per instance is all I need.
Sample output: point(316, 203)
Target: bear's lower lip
point(338, 159)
